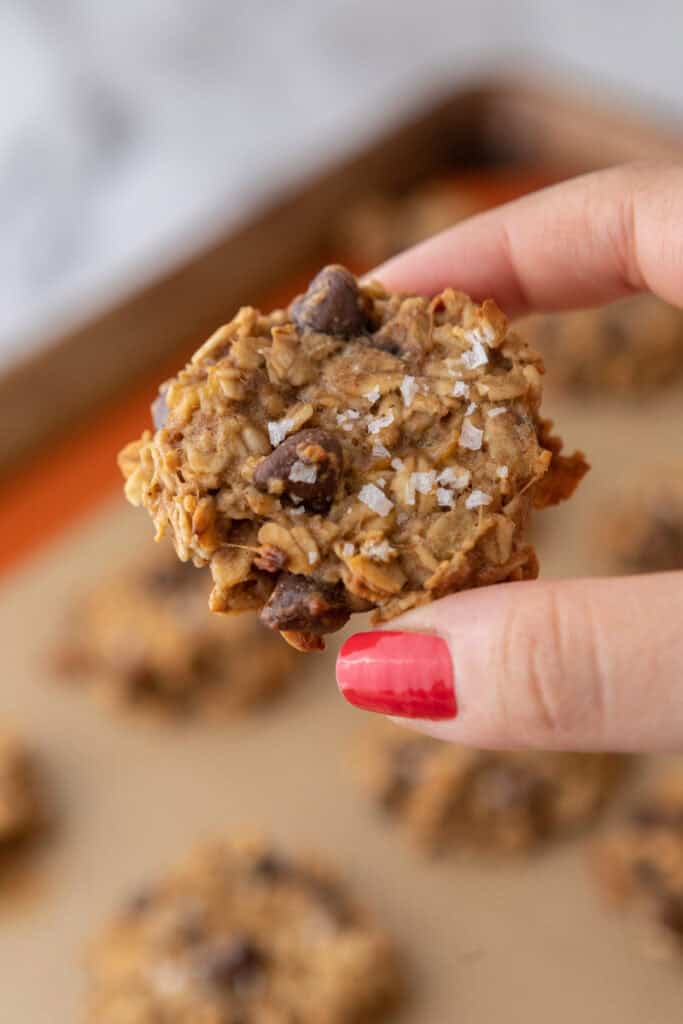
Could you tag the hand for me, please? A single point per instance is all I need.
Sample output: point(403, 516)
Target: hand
point(573, 665)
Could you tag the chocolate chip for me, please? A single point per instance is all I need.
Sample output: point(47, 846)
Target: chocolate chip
point(304, 604)
point(671, 914)
point(647, 817)
point(231, 964)
point(271, 866)
point(332, 305)
point(648, 874)
point(406, 768)
point(159, 409)
point(306, 466)
point(141, 901)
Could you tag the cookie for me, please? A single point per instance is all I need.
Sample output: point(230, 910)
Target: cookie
point(357, 451)
point(20, 805)
point(451, 797)
point(146, 638)
point(242, 933)
point(381, 226)
point(642, 531)
point(640, 863)
point(631, 347)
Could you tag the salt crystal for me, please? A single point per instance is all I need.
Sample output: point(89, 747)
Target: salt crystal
point(380, 452)
point(460, 389)
point(397, 464)
point(348, 414)
point(375, 499)
point(303, 473)
point(444, 497)
point(278, 430)
point(296, 511)
point(449, 477)
point(381, 481)
point(409, 388)
point(502, 472)
point(498, 411)
point(379, 551)
point(472, 407)
point(377, 423)
point(373, 395)
point(312, 557)
point(470, 436)
point(423, 482)
point(348, 550)
point(477, 498)
point(475, 356)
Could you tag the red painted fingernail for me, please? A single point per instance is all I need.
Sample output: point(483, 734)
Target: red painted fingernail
point(404, 674)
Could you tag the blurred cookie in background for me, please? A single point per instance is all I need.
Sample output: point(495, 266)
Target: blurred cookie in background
point(145, 637)
point(242, 932)
point(642, 528)
point(21, 810)
point(631, 347)
point(380, 226)
point(640, 862)
point(452, 797)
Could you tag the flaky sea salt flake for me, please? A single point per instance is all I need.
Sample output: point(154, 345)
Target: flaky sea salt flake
point(460, 389)
point(444, 497)
point(474, 357)
point(477, 499)
point(408, 388)
point(503, 472)
point(303, 473)
point(377, 423)
point(373, 395)
point(471, 437)
point(375, 499)
point(380, 452)
point(498, 410)
point(378, 551)
point(278, 430)
point(423, 482)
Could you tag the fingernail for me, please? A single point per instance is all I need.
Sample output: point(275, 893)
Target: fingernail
point(409, 675)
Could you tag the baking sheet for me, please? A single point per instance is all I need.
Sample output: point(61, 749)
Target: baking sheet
point(524, 941)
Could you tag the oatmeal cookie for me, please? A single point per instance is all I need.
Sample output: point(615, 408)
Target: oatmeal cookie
point(381, 226)
point(145, 637)
point(242, 933)
point(19, 798)
point(641, 861)
point(643, 530)
point(450, 796)
point(633, 346)
point(357, 451)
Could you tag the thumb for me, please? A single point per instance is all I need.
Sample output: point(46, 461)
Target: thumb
point(569, 665)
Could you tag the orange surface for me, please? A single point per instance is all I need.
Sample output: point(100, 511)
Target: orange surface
point(60, 483)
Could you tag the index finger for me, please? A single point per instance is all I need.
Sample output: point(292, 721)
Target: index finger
point(583, 242)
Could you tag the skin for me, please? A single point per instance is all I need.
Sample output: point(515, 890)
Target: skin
point(578, 664)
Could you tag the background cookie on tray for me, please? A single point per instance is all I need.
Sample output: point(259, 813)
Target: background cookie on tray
point(452, 797)
point(145, 637)
point(21, 810)
point(242, 932)
point(640, 862)
point(642, 527)
point(629, 348)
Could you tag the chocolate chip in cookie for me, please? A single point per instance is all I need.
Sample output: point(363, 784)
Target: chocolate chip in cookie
point(306, 467)
point(331, 305)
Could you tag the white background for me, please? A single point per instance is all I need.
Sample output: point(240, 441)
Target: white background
point(130, 130)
